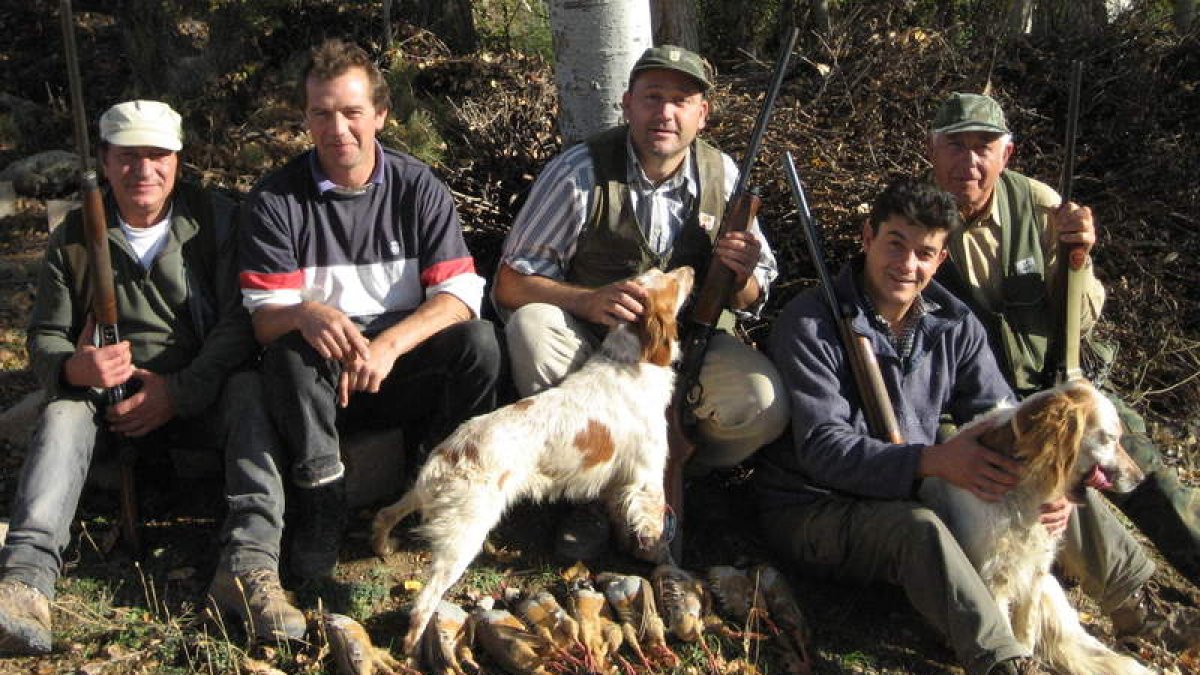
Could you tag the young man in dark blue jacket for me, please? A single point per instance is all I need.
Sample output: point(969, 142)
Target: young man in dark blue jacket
point(842, 503)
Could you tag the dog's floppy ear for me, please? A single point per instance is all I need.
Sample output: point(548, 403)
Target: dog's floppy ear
point(1050, 429)
point(657, 328)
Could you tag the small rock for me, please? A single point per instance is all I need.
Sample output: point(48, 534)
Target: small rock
point(47, 174)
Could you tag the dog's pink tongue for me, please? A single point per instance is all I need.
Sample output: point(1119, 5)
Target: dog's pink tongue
point(1098, 480)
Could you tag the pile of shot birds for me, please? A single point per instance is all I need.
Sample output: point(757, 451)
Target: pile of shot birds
point(597, 623)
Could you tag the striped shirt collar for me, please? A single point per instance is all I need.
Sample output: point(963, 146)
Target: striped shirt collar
point(686, 177)
point(324, 184)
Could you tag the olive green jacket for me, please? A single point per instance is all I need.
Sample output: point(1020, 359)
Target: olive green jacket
point(183, 317)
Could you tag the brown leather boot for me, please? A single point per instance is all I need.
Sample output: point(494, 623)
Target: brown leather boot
point(24, 619)
point(257, 598)
point(1146, 616)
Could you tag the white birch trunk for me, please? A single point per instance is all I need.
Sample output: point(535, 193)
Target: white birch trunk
point(596, 42)
point(675, 23)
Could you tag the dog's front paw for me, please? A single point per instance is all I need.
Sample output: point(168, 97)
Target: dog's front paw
point(651, 549)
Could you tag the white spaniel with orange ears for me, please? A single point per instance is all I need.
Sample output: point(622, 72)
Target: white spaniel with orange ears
point(1068, 439)
point(600, 434)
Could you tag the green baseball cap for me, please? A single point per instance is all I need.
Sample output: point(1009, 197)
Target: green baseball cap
point(670, 57)
point(969, 112)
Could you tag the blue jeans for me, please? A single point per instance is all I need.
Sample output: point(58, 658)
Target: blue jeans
point(52, 477)
point(445, 380)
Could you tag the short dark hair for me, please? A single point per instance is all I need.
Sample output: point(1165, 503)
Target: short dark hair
point(919, 202)
point(332, 58)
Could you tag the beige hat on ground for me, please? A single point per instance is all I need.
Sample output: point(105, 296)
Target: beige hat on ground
point(151, 123)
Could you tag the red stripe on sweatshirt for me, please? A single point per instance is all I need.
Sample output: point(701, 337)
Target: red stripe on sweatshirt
point(276, 281)
point(447, 269)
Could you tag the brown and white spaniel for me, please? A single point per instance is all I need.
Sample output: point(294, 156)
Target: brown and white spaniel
point(1068, 438)
point(600, 434)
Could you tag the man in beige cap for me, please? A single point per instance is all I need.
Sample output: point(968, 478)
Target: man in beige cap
point(1002, 264)
point(183, 336)
point(648, 193)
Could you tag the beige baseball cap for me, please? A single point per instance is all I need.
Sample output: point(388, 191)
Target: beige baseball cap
point(151, 123)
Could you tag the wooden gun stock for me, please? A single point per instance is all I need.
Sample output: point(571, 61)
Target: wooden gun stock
point(100, 273)
point(877, 403)
point(714, 293)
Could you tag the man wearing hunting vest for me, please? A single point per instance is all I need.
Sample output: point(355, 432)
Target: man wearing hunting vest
point(1002, 265)
point(647, 193)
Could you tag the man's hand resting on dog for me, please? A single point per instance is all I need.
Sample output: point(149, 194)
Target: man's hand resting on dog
point(611, 304)
point(964, 462)
point(1055, 515)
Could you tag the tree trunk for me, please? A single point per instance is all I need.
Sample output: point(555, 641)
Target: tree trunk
point(147, 30)
point(1068, 17)
point(1020, 17)
point(1185, 15)
point(674, 23)
point(596, 42)
point(820, 16)
point(450, 20)
point(387, 25)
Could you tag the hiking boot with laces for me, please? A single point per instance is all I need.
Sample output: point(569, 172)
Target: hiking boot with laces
point(257, 598)
point(582, 533)
point(24, 619)
point(318, 520)
point(1146, 616)
point(1022, 665)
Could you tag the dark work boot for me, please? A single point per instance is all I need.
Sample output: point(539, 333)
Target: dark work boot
point(1146, 616)
point(1168, 513)
point(318, 520)
point(257, 598)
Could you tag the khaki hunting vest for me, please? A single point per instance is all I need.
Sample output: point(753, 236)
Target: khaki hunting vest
point(612, 246)
point(1019, 330)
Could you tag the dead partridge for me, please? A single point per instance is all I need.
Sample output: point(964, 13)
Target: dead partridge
point(601, 636)
point(632, 598)
point(549, 620)
point(509, 642)
point(781, 602)
point(352, 651)
point(445, 646)
point(738, 594)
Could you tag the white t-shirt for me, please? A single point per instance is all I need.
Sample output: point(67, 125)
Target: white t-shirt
point(146, 242)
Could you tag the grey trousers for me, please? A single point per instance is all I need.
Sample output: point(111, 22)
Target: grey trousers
point(255, 465)
point(56, 465)
point(907, 544)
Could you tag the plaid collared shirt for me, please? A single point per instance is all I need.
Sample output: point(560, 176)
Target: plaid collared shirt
point(902, 338)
